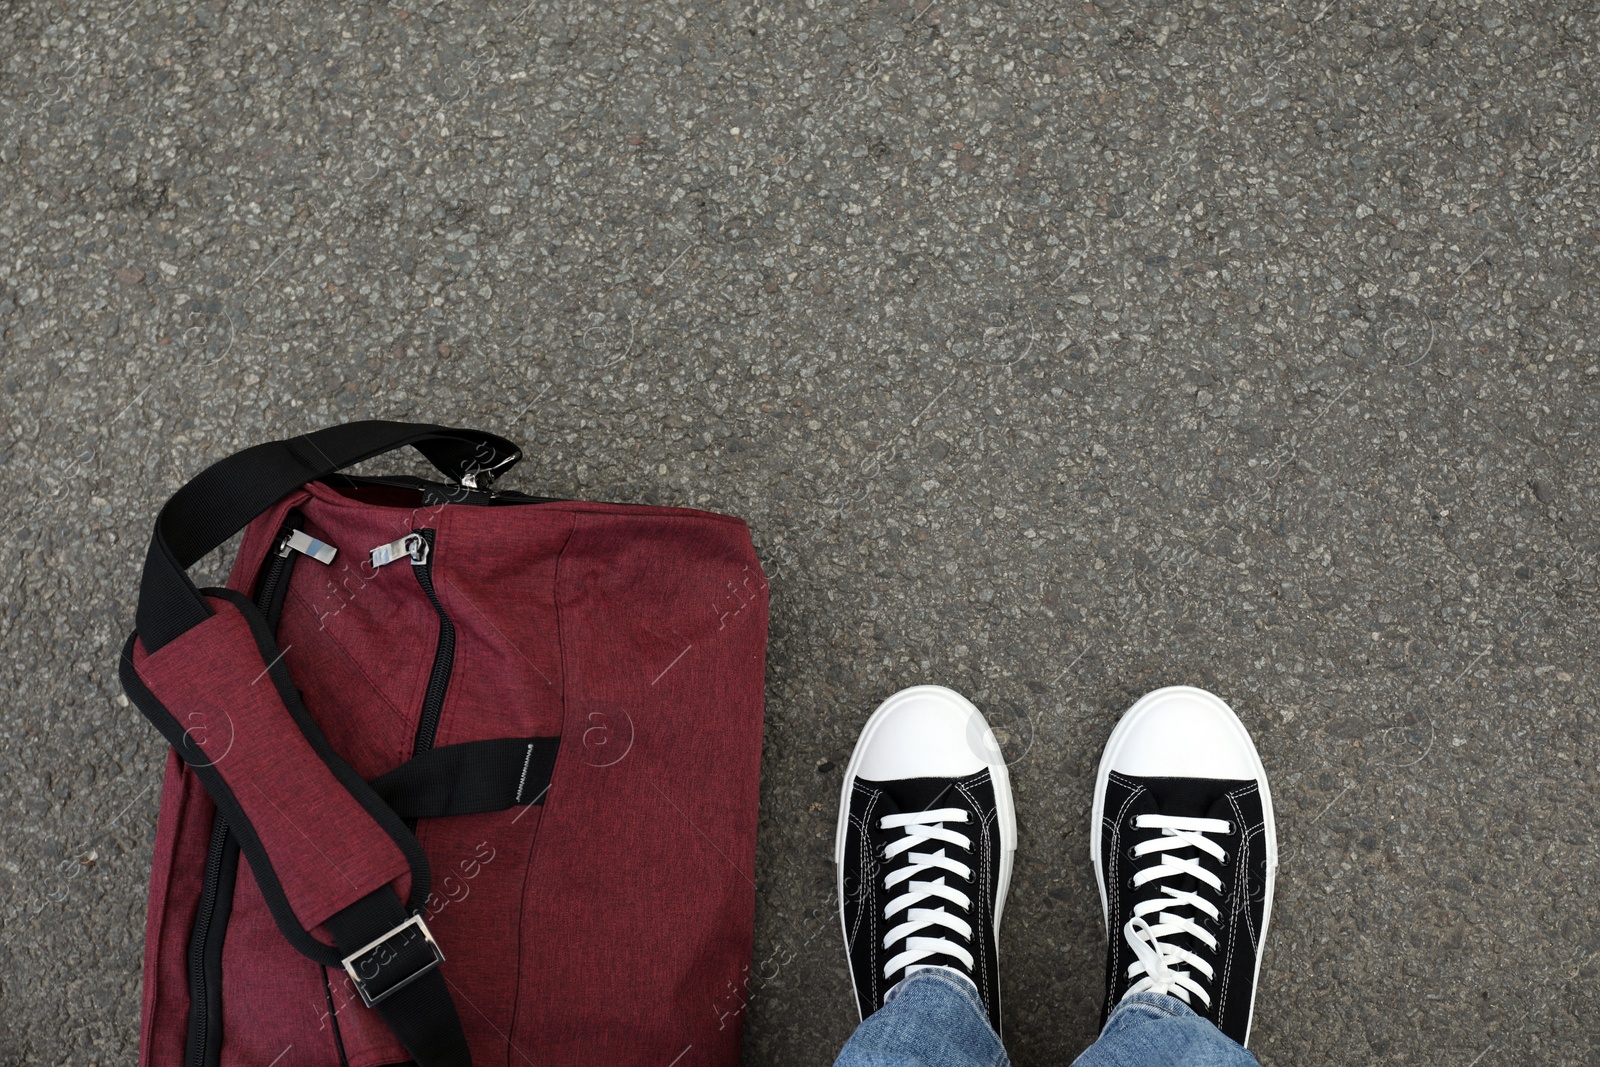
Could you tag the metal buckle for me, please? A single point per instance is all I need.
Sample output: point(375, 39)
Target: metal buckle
point(482, 478)
point(367, 963)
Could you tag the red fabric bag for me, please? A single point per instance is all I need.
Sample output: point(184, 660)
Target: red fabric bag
point(490, 761)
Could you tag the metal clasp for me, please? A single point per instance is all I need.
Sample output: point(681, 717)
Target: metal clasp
point(369, 965)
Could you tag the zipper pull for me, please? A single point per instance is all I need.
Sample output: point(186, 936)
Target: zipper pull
point(412, 544)
point(305, 544)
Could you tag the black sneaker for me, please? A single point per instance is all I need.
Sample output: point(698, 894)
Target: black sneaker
point(1185, 851)
point(927, 832)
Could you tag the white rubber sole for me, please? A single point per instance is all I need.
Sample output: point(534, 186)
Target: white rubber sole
point(1005, 809)
point(1124, 730)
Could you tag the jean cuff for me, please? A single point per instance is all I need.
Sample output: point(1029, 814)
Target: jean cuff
point(950, 979)
point(1153, 1003)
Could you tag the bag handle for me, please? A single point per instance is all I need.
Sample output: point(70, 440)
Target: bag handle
point(225, 497)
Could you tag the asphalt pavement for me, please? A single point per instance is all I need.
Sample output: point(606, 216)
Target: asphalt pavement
point(1053, 351)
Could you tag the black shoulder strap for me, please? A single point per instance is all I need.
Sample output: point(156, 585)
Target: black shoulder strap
point(223, 499)
point(393, 955)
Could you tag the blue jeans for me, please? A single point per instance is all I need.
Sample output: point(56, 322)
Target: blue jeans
point(935, 1019)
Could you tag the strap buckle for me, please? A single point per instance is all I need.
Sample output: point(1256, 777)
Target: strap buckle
point(393, 961)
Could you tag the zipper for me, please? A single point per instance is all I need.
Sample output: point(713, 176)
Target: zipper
point(279, 563)
point(222, 864)
point(199, 941)
point(417, 546)
point(443, 656)
point(333, 1017)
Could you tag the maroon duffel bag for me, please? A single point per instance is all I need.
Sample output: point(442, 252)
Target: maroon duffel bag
point(491, 762)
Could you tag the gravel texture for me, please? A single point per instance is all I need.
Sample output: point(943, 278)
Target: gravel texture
point(1053, 351)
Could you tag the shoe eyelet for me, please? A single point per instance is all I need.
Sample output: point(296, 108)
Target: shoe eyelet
point(1131, 856)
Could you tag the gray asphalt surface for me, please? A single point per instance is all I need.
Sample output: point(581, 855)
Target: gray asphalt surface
point(1054, 352)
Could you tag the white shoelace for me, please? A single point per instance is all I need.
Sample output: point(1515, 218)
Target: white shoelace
point(1157, 960)
point(920, 828)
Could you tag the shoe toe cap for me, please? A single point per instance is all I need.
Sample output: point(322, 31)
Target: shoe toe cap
point(926, 732)
point(1182, 732)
